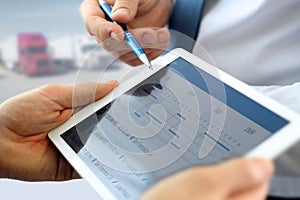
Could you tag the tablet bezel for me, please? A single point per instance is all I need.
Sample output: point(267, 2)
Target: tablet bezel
point(136, 75)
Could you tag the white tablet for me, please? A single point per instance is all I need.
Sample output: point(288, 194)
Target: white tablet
point(183, 113)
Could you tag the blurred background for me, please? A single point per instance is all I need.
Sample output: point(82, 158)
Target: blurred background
point(45, 42)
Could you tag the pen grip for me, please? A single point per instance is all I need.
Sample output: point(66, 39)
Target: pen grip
point(133, 44)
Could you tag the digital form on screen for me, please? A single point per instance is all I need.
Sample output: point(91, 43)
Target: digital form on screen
point(179, 117)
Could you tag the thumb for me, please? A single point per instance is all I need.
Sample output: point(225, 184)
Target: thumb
point(243, 174)
point(85, 93)
point(124, 11)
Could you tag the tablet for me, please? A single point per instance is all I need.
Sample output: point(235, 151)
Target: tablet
point(183, 113)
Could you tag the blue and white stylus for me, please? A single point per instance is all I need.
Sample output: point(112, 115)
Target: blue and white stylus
point(129, 39)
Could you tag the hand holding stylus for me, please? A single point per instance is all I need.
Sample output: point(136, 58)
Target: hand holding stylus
point(144, 19)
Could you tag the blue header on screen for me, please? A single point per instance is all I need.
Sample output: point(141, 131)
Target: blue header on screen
point(229, 96)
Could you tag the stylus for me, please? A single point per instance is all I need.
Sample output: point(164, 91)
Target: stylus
point(129, 39)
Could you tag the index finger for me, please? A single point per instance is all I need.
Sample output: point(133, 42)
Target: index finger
point(124, 11)
point(95, 21)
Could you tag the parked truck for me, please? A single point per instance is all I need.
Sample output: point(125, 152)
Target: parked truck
point(81, 51)
point(33, 55)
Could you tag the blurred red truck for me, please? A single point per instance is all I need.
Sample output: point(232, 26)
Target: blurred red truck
point(33, 55)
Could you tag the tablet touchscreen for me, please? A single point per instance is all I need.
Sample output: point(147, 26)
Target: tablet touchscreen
point(179, 117)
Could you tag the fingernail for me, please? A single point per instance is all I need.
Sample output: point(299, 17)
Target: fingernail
point(147, 39)
point(114, 36)
point(163, 37)
point(120, 11)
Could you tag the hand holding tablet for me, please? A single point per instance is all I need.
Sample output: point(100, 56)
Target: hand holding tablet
point(182, 114)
